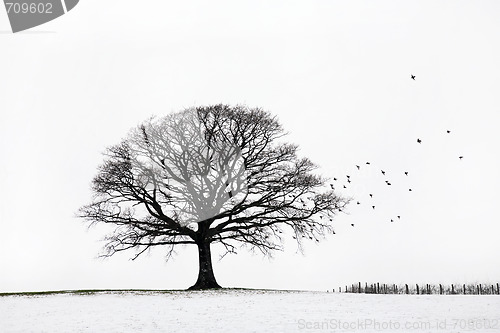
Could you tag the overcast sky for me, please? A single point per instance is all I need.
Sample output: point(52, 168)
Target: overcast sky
point(336, 74)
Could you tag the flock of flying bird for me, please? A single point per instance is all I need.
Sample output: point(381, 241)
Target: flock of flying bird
point(383, 172)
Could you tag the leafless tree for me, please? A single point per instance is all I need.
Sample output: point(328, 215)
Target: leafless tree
point(216, 174)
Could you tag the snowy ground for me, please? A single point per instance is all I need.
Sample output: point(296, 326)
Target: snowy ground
point(248, 311)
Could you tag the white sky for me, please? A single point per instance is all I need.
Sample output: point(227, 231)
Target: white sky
point(337, 74)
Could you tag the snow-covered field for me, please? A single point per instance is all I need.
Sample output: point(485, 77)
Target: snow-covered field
point(235, 311)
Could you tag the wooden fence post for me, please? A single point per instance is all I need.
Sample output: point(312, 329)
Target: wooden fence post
point(498, 290)
point(407, 290)
point(359, 286)
point(378, 288)
point(452, 289)
point(464, 290)
point(440, 289)
point(418, 290)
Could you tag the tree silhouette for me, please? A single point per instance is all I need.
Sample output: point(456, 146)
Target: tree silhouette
point(215, 174)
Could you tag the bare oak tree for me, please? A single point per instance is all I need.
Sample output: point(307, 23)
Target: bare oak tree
point(215, 174)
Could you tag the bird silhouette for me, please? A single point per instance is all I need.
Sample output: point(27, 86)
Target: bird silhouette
point(399, 217)
point(345, 186)
point(409, 189)
point(387, 183)
point(383, 172)
point(448, 131)
point(348, 176)
point(368, 163)
point(412, 76)
point(331, 185)
point(460, 157)
point(371, 195)
point(373, 207)
point(335, 179)
point(358, 203)
point(352, 224)
point(406, 173)
point(392, 220)
point(357, 166)
point(419, 141)
point(348, 180)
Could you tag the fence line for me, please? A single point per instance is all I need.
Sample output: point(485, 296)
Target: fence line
point(423, 289)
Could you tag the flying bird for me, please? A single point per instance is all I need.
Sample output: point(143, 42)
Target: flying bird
point(406, 173)
point(335, 179)
point(412, 76)
point(392, 220)
point(371, 195)
point(345, 186)
point(419, 141)
point(448, 131)
point(348, 180)
point(331, 185)
point(373, 207)
point(357, 166)
point(399, 217)
point(348, 176)
point(460, 157)
point(368, 163)
point(383, 172)
point(358, 203)
point(409, 189)
point(352, 224)
point(387, 182)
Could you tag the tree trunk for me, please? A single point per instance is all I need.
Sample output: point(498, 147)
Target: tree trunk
point(206, 277)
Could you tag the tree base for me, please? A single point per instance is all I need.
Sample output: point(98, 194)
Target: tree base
point(205, 286)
